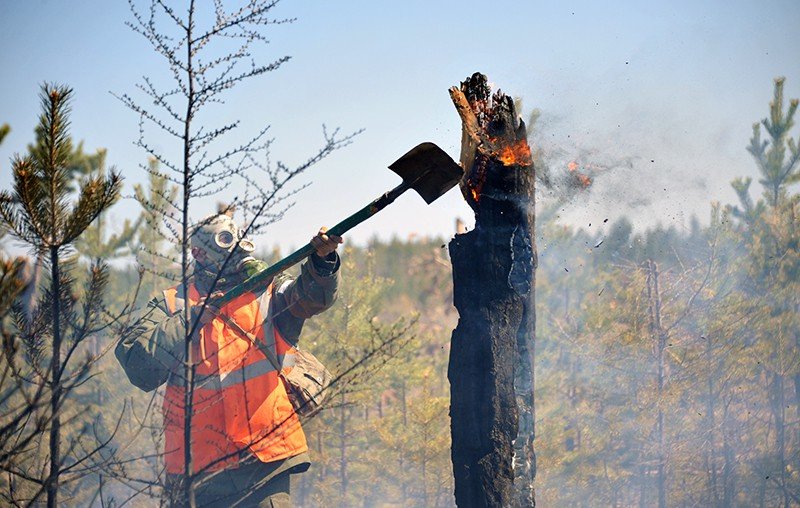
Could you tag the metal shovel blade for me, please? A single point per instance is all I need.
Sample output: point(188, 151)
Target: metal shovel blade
point(427, 169)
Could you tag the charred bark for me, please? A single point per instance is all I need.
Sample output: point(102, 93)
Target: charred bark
point(493, 268)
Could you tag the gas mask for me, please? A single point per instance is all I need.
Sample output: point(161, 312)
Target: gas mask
point(221, 238)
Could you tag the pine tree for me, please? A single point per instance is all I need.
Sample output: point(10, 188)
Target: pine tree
point(362, 351)
point(154, 254)
point(39, 213)
point(770, 230)
point(778, 171)
point(96, 242)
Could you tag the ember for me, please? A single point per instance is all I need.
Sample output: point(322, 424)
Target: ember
point(476, 193)
point(578, 178)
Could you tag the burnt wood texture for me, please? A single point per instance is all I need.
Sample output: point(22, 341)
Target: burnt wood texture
point(493, 280)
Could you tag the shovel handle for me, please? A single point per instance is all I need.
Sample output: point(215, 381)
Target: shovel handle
point(265, 276)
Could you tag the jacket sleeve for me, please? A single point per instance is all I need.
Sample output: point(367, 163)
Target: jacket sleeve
point(150, 349)
point(313, 292)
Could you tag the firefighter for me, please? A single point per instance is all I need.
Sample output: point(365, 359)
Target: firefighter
point(246, 439)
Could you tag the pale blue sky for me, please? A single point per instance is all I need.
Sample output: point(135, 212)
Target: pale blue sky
point(679, 83)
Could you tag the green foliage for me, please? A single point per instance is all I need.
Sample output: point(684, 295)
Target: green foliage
point(728, 317)
point(777, 171)
point(390, 411)
point(40, 212)
point(95, 242)
point(158, 259)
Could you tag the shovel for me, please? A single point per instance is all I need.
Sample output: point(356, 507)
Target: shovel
point(426, 168)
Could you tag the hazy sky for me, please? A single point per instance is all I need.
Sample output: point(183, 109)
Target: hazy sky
point(676, 83)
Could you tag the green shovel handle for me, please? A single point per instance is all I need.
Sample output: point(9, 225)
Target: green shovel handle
point(265, 276)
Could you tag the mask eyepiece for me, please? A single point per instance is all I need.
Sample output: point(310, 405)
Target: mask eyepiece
point(224, 239)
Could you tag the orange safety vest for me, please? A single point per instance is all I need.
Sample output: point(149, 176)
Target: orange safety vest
point(239, 402)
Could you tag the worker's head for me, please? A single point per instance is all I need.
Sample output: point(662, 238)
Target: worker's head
point(217, 238)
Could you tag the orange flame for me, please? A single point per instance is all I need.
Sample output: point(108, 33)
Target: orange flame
point(518, 154)
point(572, 166)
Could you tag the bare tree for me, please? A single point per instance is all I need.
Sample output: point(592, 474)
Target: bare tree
point(205, 61)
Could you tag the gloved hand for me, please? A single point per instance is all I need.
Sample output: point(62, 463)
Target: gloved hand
point(324, 243)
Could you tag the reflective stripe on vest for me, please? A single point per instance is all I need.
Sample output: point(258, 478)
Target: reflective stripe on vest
point(239, 401)
point(246, 373)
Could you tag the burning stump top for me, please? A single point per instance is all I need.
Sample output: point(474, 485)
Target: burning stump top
point(494, 146)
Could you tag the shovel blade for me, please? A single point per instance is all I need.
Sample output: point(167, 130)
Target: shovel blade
point(428, 170)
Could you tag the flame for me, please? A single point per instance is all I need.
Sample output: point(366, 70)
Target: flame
point(572, 166)
point(518, 154)
point(585, 180)
point(475, 186)
point(515, 154)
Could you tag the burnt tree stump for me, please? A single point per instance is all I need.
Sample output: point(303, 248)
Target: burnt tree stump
point(493, 281)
